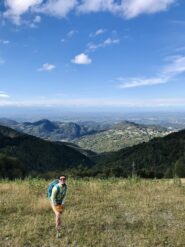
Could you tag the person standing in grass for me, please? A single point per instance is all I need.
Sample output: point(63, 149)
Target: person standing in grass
point(57, 201)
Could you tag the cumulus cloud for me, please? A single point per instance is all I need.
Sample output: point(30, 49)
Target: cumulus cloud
point(47, 67)
point(168, 73)
point(16, 8)
point(81, 59)
point(60, 8)
point(97, 5)
point(126, 8)
point(133, 8)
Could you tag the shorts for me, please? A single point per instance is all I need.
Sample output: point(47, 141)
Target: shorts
point(59, 208)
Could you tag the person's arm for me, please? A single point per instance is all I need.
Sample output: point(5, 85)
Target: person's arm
point(53, 195)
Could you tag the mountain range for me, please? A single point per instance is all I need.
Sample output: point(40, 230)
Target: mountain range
point(55, 130)
point(95, 136)
point(25, 154)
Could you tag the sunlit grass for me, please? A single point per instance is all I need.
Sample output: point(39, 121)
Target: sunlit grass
point(114, 212)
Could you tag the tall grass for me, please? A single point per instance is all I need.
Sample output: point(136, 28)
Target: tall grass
point(101, 213)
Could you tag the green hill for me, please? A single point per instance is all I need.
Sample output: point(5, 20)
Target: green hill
point(37, 155)
point(121, 135)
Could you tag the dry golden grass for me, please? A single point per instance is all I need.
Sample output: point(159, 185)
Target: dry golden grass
point(100, 213)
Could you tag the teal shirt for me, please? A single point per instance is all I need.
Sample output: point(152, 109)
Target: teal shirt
point(58, 194)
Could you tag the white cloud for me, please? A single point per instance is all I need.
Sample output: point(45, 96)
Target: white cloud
point(107, 42)
point(72, 33)
point(168, 73)
point(16, 8)
point(37, 19)
point(177, 66)
point(126, 8)
point(98, 32)
point(35, 22)
point(133, 8)
point(110, 41)
point(138, 82)
point(4, 95)
point(81, 59)
point(97, 5)
point(69, 35)
point(58, 8)
point(47, 67)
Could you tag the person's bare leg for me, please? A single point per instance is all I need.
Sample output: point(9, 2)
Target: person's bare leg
point(58, 224)
point(57, 221)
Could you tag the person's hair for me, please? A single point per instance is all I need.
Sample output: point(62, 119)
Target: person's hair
point(63, 176)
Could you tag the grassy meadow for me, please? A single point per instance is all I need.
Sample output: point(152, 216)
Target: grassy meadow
point(98, 213)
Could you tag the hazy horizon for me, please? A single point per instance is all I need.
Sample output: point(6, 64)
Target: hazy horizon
point(34, 114)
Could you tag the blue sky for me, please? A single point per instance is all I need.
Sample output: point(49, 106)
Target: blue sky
point(92, 54)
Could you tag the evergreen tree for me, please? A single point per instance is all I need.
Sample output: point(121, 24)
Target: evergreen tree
point(179, 169)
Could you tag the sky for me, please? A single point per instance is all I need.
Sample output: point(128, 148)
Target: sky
point(92, 54)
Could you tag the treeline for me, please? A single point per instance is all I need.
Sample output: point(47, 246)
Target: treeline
point(10, 167)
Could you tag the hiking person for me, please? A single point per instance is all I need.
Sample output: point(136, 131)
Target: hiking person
point(58, 194)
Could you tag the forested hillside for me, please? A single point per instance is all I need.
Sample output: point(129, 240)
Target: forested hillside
point(160, 157)
point(32, 154)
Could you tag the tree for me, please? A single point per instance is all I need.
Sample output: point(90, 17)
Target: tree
point(179, 169)
point(10, 167)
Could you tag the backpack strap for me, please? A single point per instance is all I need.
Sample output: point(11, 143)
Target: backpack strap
point(58, 188)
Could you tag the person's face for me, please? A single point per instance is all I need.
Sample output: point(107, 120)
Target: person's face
point(62, 180)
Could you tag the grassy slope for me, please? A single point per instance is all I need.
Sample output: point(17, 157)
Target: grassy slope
point(121, 213)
